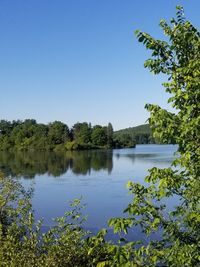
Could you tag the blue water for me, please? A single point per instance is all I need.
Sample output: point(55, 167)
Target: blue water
point(100, 177)
point(102, 186)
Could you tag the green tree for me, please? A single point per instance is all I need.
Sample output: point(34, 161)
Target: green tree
point(5, 127)
point(22, 135)
point(58, 133)
point(110, 135)
point(99, 136)
point(124, 140)
point(179, 228)
point(82, 132)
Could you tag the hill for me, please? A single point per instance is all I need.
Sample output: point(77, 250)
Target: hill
point(140, 134)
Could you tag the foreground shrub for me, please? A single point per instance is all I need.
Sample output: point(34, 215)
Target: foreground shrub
point(177, 228)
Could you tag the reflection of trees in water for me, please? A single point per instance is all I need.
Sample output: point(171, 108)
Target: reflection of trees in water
point(28, 164)
point(85, 161)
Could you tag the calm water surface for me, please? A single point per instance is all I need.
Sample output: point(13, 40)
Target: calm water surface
point(100, 177)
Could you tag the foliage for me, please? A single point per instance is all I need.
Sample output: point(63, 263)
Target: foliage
point(58, 133)
point(99, 135)
point(109, 135)
point(139, 135)
point(178, 228)
point(24, 244)
point(81, 132)
point(30, 135)
point(124, 140)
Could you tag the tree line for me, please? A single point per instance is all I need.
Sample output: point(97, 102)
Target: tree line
point(57, 136)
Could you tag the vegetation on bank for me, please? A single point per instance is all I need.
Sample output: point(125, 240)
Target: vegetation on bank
point(30, 135)
point(141, 134)
point(22, 242)
point(174, 231)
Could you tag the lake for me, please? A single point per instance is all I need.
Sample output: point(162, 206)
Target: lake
point(99, 176)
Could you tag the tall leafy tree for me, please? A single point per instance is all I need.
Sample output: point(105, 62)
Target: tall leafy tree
point(99, 136)
point(178, 229)
point(110, 135)
point(58, 133)
point(5, 127)
point(82, 132)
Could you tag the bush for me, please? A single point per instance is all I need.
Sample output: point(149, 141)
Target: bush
point(24, 244)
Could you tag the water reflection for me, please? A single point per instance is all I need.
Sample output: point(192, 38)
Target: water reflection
point(99, 176)
point(29, 164)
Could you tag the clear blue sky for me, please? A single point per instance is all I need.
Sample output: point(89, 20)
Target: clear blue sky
point(78, 60)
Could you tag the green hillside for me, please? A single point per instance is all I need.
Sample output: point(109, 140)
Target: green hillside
point(140, 134)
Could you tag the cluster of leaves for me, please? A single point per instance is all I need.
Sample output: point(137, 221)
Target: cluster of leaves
point(178, 227)
point(30, 135)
